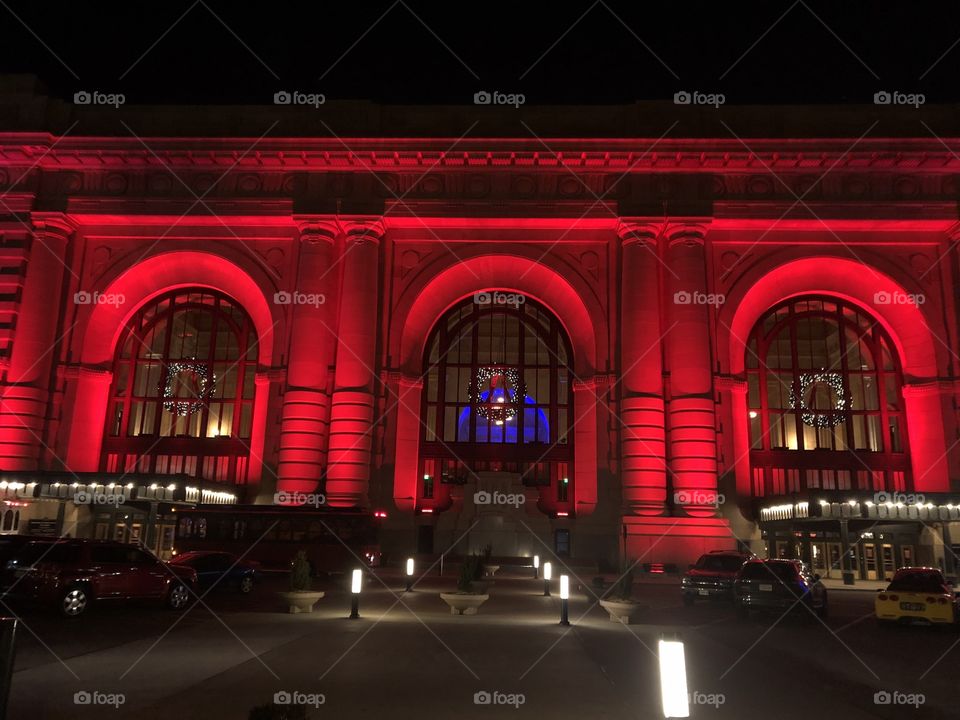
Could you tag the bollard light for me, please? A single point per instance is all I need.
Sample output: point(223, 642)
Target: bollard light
point(355, 593)
point(536, 566)
point(673, 679)
point(564, 599)
point(547, 577)
point(409, 574)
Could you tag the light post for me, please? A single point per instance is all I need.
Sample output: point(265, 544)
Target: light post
point(409, 574)
point(673, 678)
point(564, 599)
point(355, 593)
point(536, 566)
point(547, 577)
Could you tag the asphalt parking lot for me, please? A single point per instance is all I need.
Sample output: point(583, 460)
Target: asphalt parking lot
point(407, 656)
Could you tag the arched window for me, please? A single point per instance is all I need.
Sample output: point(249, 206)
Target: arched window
point(824, 399)
point(183, 389)
point(497, 393)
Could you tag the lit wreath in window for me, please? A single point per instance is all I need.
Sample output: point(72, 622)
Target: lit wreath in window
point(504, 408)
point(203, 381)
point(817, 418)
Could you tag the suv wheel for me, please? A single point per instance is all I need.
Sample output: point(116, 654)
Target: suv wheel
point(75, 600)
point(179, 596)
point(246, 584)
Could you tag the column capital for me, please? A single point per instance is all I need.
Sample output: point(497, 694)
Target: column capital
point(686, 232)
point(316, 229)
point(639, 230)
point(55, 225)
point(363, 230)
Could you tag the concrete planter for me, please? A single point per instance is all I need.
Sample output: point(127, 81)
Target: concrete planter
point(301, 601)
point(622, 611)
point(464, 603)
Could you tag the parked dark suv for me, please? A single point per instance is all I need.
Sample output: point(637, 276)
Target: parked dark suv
point(778, 585)
point(72, 574)
point(712, 576)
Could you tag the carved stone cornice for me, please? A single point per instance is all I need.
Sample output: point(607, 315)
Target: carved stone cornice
point(270, 375)
point(74, 371)
point(402, 380)
point(941, 386)
point(730, 383)
point(597, 382)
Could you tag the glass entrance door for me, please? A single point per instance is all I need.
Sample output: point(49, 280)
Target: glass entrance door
point(870, 561)
point(888, 566)
point(818, 558)
point(834, 553)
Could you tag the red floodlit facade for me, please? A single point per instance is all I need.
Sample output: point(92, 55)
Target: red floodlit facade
point(598, 348)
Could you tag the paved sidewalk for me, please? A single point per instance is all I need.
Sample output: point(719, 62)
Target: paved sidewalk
point(867, 585)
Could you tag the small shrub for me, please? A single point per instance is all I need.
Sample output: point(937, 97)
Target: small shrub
point(300, 572)
point(623, 590)
point(470, 570)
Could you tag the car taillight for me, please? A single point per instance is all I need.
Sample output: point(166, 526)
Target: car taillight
point(882, 596)
point(894, 597)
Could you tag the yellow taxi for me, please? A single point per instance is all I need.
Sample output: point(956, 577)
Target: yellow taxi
point(917, 593)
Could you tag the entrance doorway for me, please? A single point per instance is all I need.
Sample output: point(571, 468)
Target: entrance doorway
point(425, 540)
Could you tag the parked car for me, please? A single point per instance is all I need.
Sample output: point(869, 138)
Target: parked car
point(219, 569)
point(712, 576)
point(73, 574)
point(778, 585)
point(917, 593)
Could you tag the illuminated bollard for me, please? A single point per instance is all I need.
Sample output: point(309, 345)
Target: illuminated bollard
point(409, 574)
point(536, 566)
point(355, 591)
point(564, 599)
point(547, 577)
point(673, 678)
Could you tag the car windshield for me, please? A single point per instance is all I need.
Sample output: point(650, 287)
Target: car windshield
point(767, 571)
point(923, 582)
point(723, 563)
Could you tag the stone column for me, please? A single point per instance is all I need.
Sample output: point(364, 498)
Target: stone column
point(923, 406)
point(303, 425)
point(692, 428)
point(643, 445)
point(585, 399)
point(26, 392)
point(407, 457)
point(351, 415)
point(89, 419)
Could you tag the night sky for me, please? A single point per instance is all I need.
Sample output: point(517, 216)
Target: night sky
point(417, 52)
